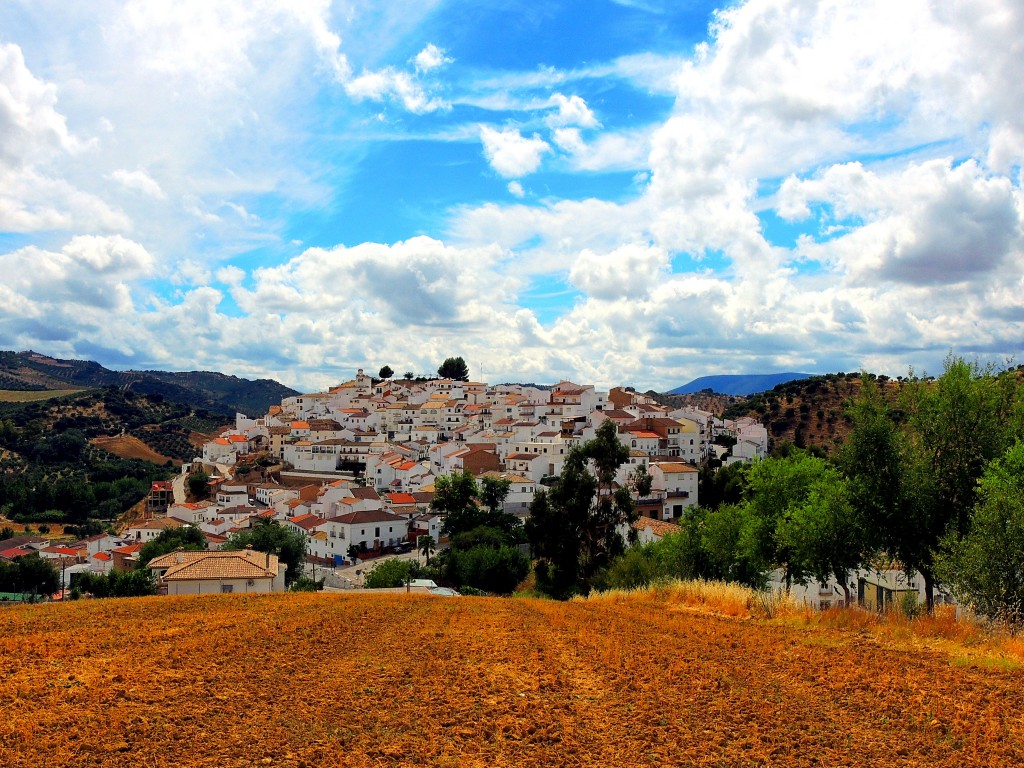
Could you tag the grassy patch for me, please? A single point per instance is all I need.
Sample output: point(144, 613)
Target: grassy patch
point(33, 396)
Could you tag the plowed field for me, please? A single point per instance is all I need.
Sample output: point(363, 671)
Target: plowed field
point(358, 680)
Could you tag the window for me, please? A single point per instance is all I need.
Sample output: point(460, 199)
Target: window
point(226, 588)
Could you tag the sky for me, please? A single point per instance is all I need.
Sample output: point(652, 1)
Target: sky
point(617, 192)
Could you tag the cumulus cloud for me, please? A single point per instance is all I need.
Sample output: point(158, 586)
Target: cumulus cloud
point(31, 128)
point(420, 281)
point(88, 277)
point(510, 153)
point(627, 272)
point(516, 189)
point(930, 224)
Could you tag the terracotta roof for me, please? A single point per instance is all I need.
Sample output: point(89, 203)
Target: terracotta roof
point(104, 556)
point(248, 564)
point(674, 466)
point(156, 524)
point(658, 527)
point(401, 498)
point(307, 522)
point(372, 516)
point(365, 494)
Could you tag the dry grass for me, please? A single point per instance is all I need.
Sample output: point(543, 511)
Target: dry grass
point(130, 447)
point(32, 396)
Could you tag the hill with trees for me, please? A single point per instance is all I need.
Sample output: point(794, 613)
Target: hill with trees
point(54, 470)
point(204, 389)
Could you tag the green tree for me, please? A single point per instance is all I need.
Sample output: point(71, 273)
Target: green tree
point(306, 584)
point(488, 568)
point(289, 544)
point(467, 505)
point(956, 427)
point(30, 575)
point(823, 534)
point(391, 573)
point(186, 537)
point(454, 368)
point(455, 497)
point(199, 485)
point(575, 527)
point(426, 545)
point(137, 583)
point(493, 491)
point(985, 567)
point(777, 489)
point(385, 373)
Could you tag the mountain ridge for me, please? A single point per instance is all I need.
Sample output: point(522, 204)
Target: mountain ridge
point(738, 384)
point(31, 370)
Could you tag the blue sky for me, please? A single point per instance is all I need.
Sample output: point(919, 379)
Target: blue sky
point(633, 192)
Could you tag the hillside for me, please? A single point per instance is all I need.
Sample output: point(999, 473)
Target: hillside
point(201, 389)
point(367, 680)
point(810, 412)
point(87, 457)
point(743, 384)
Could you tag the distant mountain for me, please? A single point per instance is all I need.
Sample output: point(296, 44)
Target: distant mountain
point(201, 389)
point(738, 384)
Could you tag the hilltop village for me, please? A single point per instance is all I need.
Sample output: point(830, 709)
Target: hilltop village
point(371, 450)
point(353, 468)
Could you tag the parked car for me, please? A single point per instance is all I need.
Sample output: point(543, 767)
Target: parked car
point(405, 546)
point(444, 592)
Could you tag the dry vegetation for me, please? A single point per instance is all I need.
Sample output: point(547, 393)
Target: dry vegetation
point(131, 447)
point(648, 678)
point(31, 396)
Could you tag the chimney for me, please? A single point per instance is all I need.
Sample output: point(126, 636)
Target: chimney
point(179, 555)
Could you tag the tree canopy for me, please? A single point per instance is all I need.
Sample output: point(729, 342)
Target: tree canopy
point(186, 537)
point(454, 368)
point(289, 544)
point(578, 526)
point(30, 575)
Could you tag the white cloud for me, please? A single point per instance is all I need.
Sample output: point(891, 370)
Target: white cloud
point(431, 58)
point(572, 111)
point(510, 153)
point(88, 277)
point(139, 180)
point(516, 189)
point(928, 224)
point(389, 83)
point(31, 128)
point(231, 275)
point(627, 272)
